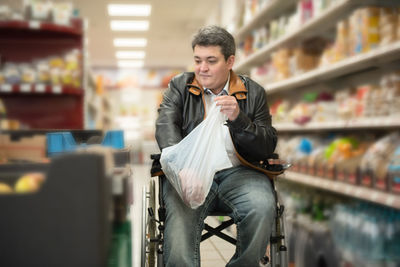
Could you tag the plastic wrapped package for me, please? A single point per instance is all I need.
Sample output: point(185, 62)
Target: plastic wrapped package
point(11, 73)
point(38, 9)
point(342, 40)
point(388, 23)
point(347, 103)
point(28, 73)
point(390, 85)
point(191, 164)
point(43, 71)
point(62, 13)
point(376, 159)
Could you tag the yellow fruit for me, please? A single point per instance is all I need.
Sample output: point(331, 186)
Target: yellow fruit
point(29, 183)
point(5, 188)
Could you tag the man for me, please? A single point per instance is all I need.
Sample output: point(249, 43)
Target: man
point(242, 191)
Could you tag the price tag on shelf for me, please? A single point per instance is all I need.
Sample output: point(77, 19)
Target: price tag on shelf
point(25, 88)
point(336, 186)
point(40, 88)
point(358, 192)
point(390, 200)
point(56, 89)
point(7, 88)
point(374, 196)
point(348, 189)
point(34, 24)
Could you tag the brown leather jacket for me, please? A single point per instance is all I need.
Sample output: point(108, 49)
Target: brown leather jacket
point(183, 108)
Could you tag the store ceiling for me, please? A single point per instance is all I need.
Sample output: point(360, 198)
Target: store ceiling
point(172, 24)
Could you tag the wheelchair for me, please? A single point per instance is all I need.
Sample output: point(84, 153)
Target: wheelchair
point(153, 228)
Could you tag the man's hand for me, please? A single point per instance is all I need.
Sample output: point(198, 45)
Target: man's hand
point(229, 106)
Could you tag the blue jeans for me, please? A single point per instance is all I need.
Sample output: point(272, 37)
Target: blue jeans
point(245, 195)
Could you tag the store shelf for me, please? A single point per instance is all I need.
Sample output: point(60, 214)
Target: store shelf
point(361, 123)
point(375, 57)
point(359, 192)
point(326, 19)
point(39, 89)
point(40, 106)
point(42, 26)
point(313, 27)
point(271, 10)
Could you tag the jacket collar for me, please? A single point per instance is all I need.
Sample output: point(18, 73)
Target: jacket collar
point(236, 87)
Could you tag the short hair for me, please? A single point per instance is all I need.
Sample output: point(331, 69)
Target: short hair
point(215, 36)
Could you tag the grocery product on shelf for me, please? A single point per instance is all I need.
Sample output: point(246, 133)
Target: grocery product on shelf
point(394, 171)
point(375, 162)
point(366, 234)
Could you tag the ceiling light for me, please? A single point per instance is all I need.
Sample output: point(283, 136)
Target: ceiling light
point(130, 63)
point(129, 25)
point(129, 10)
point(130, 42)
point(130, 54)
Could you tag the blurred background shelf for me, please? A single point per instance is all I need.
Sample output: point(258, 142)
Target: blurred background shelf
point(353, 191)
point(270, 10)
point(376, 57)
point(382, 123)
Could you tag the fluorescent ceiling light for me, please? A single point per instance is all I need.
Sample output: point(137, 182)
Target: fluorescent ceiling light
point(130, 42)
point(130, 54)
point(129, 10)
point(129, 25)
point(130, 63)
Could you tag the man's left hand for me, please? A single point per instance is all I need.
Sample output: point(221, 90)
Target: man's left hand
point(229, 106)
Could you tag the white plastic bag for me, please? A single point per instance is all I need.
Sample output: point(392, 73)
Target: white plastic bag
point(191, 164)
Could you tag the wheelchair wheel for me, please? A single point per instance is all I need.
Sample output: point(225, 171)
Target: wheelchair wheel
point(148, 227)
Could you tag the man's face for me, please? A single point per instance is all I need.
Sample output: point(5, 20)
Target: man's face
point(210, 66)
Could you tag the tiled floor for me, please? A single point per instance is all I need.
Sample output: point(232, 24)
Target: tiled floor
point(214, 251)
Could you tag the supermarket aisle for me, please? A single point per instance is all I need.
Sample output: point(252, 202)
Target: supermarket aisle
point(214, 252)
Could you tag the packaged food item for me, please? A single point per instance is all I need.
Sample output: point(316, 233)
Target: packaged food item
point(390, 84)
point(394, 172)
point(371, 28)
point(5, 12)
point(38, 9)
point(281, 62)
point(71, 74)
point(28, 73)
point(377, 158)
point(43, 71)
point(388, 22)
point(346, 102)
point(342, 40)
point(12, 74)
point(62, 13)
point(2, 78)
point(56, 64)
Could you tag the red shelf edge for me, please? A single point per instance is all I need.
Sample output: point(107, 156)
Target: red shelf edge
point(44, 26)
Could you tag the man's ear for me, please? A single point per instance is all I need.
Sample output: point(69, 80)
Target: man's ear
point(230, 61)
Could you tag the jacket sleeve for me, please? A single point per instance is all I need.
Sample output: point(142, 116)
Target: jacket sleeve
point(254, 139)
point(169, 121)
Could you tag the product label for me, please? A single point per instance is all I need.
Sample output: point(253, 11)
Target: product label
point(7, 88)
point(34, 24)
point(25, 88)
point(40, 88)
point(56, 89)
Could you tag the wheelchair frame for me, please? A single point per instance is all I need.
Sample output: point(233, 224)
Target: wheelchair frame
point(153, 229)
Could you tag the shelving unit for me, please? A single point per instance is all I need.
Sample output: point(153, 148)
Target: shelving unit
point(269, 11)
point(375, 59)
point(37, 105)
point(364, 193)
point(313, 27)
point(353, 124)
